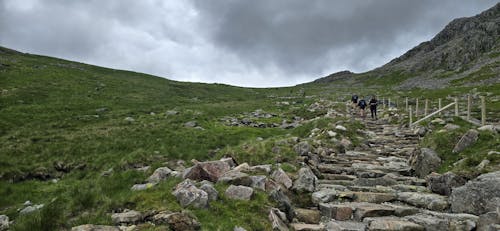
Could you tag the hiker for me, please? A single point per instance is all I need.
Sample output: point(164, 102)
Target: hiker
point(362, 106)
point(354, 100)
point(373, 107)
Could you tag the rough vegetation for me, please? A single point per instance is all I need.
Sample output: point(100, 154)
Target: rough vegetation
point(90, 148)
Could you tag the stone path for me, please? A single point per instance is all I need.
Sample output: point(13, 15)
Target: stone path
point(374, 189)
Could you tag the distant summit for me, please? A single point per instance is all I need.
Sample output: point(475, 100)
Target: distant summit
point(466, 51)
point(341, 75)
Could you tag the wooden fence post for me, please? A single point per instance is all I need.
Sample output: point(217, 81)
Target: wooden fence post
point(426, 108)
point(439, 105)
point(416, 109)
point(469, 101)
point(406, 107)
point(483, 111)
point(411, 119)
point(456, 106)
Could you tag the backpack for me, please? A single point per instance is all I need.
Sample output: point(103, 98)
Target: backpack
point(354, 97)
point(362, 103)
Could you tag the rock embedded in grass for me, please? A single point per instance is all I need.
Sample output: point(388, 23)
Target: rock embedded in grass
point(127, 217)
point(187, 194)
point(4, 222)
point(239, 192)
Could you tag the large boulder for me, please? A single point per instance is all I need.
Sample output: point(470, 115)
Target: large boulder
point(209, 170)
point(4, 222)
point(188, 194)
point(424, 161)
point(468, 139)
point(90, 227)
point(239, 192)
point(478, 196)
point(306, 181)
point(159, 174)
point(127, 217)
point(443, 183)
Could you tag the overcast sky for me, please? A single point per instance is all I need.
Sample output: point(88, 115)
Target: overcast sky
point(253, 43)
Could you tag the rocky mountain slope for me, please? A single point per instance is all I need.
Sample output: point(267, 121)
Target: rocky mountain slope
point(466, 51)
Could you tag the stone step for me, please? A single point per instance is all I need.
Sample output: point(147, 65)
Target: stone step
point(307, 227)
point(328, 176)
point(392, 223)
point(345, 226)
point(336, 182)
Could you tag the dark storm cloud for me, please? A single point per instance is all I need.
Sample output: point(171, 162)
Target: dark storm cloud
point(240, 42)
point(307, 36)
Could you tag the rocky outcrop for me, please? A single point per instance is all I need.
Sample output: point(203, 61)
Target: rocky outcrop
point(424, 161)
point(467, 140)
point(478, 196)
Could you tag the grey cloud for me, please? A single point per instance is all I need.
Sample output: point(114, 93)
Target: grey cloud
point(239, 42)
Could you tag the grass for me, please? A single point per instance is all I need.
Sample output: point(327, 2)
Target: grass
point(444, 142)
point(56, 111)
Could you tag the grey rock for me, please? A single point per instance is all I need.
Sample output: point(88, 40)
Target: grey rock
point(339, 212)
point(129, 119)
point(258, 182)
point(478, 196)
point(302, 148)
point(282, 178)
point(213, 195)
point(188, 194)
point(306, 181)
point(468, 139)
point(309, 216)
point(171, 112)
point(140, 187)
point(182, 222)
point(90, 227)
point(307, 227)
point(451, 127)
point(424, 161)
point(393, 224)
point(323, 196)
point(261, 168)
point(345, 226)
point(384, 181)
point(159, 175)
point(237, 228)
point(424, 200)
point(430, 223)
point(277, 219)
point(482, 165)
point(488, 220)
point(127, 217)
point(442, 184)
point(31, 208)
point(490, 128)
point(239, 192)
point(340, 128)
point(236, 177)
point(283, 202)
point(190, 124)
point(4, 222)
point(209, 170)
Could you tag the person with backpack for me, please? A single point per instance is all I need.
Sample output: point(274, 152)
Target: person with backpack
point(362, 106)
point(373, 107)
point(354, 100)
